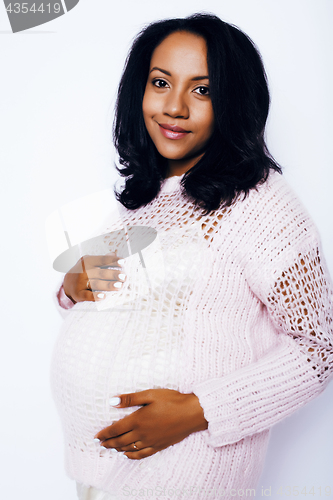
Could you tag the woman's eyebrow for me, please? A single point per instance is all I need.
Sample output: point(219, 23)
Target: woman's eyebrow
point(160, 69)
point(200, 78)
point(205, 77)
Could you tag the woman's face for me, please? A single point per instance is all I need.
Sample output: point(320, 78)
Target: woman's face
point(177, 107)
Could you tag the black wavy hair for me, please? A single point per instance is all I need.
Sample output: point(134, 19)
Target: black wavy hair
point(236, 158)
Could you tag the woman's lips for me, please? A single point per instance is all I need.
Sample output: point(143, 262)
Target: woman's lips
point(172, 132)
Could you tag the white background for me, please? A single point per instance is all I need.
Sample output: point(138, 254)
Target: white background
point(58, 83)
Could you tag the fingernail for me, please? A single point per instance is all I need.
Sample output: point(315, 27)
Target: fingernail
point(121, 262)
point(97, 440)
point(103, 447)
point(101, 295)
point(115, 401)
point(117, 284)
point(121, 276)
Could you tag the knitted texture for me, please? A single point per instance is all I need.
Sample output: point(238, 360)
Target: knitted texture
point(234, 306)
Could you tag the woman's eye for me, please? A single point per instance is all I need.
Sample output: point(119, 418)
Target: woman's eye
point(160, 83)
point(202, 90)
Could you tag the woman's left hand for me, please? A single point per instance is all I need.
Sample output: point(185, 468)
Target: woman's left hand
point(166, 417)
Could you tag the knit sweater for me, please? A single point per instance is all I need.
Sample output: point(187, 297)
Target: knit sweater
point(234, 306)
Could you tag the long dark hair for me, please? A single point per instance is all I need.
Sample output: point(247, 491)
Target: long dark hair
point(236, 158)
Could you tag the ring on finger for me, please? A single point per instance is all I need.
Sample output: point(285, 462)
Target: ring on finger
point(135, 446)
point(88, 285)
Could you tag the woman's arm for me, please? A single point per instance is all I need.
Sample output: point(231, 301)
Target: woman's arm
point(98, 271)
point(252, 399)
point(166, 417)
point(89, 279)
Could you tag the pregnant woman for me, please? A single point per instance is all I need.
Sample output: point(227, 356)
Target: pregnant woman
point(174, 362)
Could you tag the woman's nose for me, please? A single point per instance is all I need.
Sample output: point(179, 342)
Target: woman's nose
point(175, 105)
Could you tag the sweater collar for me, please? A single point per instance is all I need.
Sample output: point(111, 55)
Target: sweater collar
point(171, 184)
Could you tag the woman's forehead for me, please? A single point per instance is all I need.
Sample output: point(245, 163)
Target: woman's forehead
point(181, 50)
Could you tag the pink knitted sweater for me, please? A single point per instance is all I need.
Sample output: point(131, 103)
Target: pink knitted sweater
point(234, 306)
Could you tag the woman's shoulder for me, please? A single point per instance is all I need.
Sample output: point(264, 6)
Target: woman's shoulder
point(275, 202)
point(275, 221)
point(275, 189)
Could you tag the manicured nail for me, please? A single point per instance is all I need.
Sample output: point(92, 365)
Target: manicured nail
point(117, 285)
point(103, 447)
point(115, 401)
point(121, 262)
point(97, 440)
point(121, 276)
point(101, 295)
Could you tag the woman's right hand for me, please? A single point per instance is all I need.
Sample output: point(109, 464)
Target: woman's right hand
point(91, 277)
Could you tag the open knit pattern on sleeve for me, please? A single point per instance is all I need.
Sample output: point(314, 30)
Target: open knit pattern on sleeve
point(234, 306)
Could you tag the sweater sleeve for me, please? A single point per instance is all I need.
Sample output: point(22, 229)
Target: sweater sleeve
point(250, 400)
point(63, 303)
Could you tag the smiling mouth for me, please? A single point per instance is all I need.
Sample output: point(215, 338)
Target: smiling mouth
point(172, 131)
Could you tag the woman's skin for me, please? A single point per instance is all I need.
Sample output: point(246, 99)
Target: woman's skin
point(177, 94)
point(93, 269)
point(176, 97)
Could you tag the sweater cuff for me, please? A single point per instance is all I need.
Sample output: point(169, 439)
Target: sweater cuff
point(223, 423)
point(64, 301)
point(254, 398)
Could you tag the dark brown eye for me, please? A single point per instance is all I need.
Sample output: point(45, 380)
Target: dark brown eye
point(159, 83)
point(202, 90)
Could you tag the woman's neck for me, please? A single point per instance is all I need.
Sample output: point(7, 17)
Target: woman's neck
point(177, 168)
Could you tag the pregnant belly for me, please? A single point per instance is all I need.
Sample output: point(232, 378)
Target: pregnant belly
point(100, 354)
